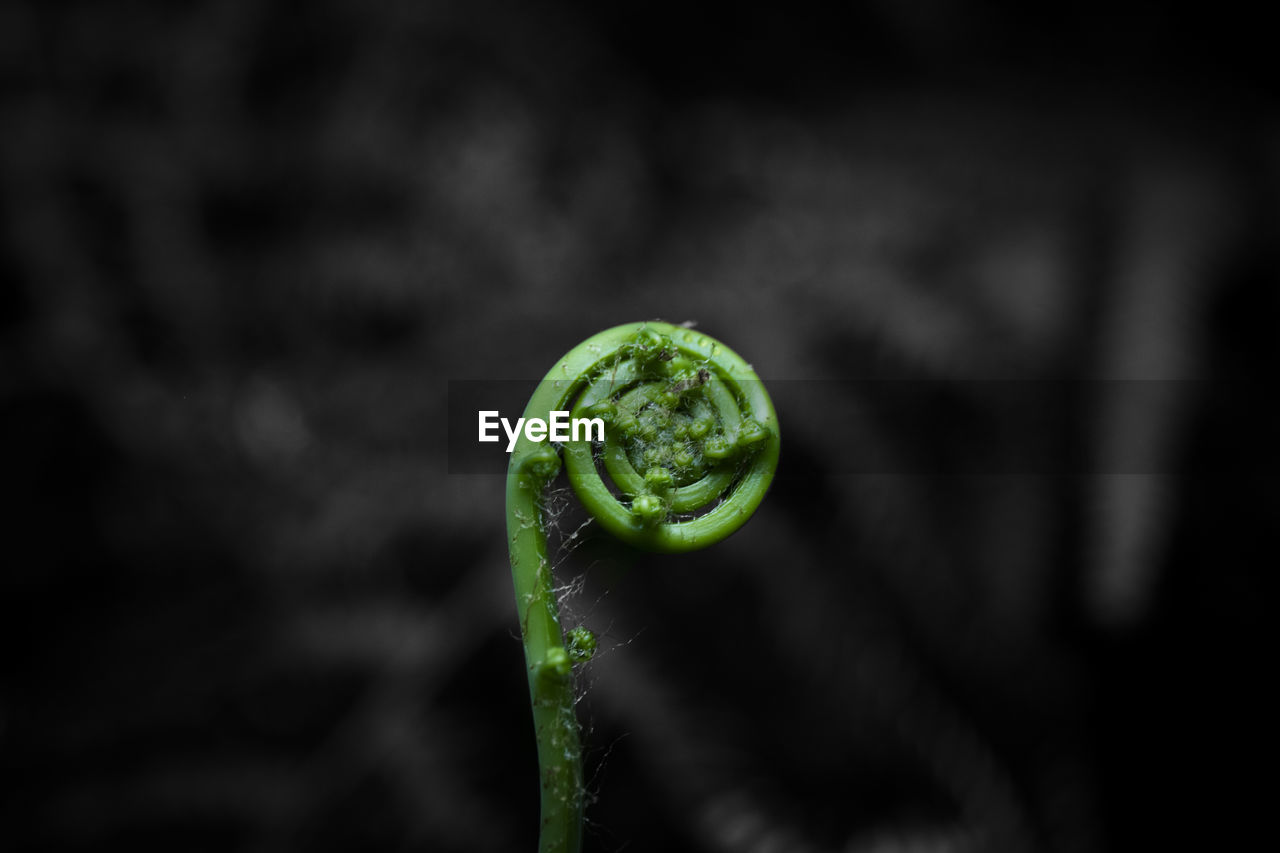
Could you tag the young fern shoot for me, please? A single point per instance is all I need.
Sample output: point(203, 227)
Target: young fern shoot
point(691, 444)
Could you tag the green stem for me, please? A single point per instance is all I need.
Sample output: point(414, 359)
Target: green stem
point(691, 444)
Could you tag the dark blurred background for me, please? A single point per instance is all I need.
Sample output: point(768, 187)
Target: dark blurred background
point(245, 245)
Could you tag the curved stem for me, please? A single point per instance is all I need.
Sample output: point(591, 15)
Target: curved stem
point(688, 426)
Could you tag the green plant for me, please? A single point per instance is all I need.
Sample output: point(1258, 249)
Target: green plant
point(691, 445)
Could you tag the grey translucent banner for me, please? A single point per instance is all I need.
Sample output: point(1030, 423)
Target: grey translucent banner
point(957, 427)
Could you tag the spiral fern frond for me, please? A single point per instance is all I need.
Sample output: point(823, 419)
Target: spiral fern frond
point(691, 445)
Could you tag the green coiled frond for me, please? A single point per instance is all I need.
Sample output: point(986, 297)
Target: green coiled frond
point(690, 448)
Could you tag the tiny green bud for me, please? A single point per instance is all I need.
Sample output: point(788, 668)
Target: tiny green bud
point(604, 410)
point(680, 368)
point(658, 480)
point(582, 644)
point(716, 448)
point(542, 463)
point(649, 508)
point(626, 423)
point(751, 433)
point(700, 427)
point(556, 665)
point(650, 345)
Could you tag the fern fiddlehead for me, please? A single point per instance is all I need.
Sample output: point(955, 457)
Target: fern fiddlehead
point(691, 445)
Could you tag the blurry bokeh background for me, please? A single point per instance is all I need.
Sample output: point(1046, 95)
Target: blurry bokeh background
point(244, 246)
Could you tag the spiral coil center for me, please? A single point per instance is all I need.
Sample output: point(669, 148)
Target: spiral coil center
point(690, 440)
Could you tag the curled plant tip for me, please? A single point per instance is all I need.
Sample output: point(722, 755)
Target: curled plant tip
point(690, 446)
